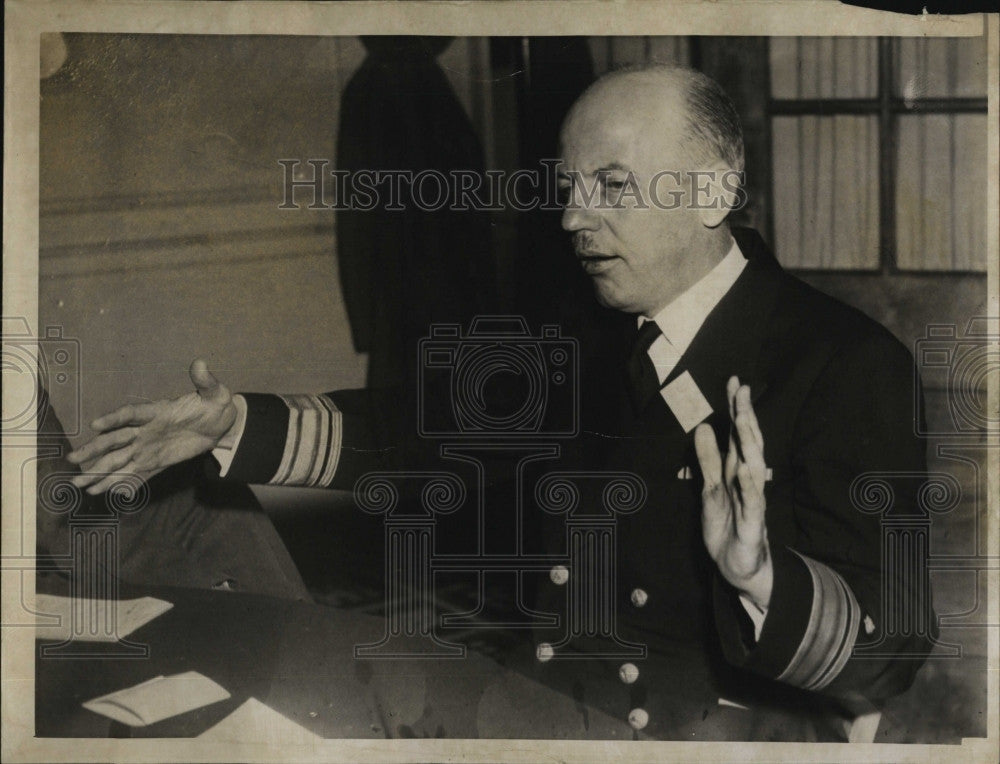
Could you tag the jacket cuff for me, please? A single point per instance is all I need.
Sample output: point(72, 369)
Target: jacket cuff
point(811, 625)
point(262, 444)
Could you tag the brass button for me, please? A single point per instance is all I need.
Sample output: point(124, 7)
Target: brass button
point(559, 575)
point(544, 652)
point(638, 718)
point(628, 672)
point(639, 597)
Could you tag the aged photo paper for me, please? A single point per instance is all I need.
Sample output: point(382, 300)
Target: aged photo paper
point(664, 348)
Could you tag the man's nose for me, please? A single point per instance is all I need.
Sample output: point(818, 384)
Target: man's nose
point(578, 216)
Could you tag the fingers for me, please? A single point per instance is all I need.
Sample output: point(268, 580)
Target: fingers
point(745, 431)
point(205, 383)
point(107, 481)
point(751, 503)
point(751, 444)
point(750, 438)
point(127, 415)
point(716, 509)
point(732, 459)
point(733, 511)
point(103, 444)
point(732, 386)
point(109, 462)
point(746, 470)
point(751, 469)
point(708, 456)
point(745, 412)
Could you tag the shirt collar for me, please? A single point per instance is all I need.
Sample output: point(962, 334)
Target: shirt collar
point(681, 319)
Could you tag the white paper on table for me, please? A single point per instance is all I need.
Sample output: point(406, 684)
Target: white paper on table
point(96, 620)
point(158, 699)
point(258, 723)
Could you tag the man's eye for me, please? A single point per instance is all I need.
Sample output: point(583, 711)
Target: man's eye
point(614, 184)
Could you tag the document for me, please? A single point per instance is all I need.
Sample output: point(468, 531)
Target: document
point(258, 723)
point(93, 620)
point(158, 698)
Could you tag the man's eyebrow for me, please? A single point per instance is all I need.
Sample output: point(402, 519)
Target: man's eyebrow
point(612, 167)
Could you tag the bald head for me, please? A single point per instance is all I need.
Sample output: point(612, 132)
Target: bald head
point(689, 105)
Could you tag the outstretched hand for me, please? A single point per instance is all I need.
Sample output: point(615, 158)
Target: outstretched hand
point(147, 438)
point(733, 503)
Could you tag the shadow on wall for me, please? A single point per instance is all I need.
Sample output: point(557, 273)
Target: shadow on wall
point(404, 267)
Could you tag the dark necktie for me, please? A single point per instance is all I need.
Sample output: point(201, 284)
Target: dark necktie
point(643, 382)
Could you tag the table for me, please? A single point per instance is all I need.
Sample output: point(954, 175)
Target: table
point(298, 659)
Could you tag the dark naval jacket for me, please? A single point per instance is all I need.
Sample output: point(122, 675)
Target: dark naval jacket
point(645, 623)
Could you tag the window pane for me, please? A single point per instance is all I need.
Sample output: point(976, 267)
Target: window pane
point(942, 67)
point(826, 192)
point(824, 67)
point(941, 192)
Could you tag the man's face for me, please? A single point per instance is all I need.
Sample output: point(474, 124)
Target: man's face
point(621, 139)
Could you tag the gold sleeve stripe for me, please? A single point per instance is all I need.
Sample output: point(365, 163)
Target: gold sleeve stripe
point(334, 442)
point(830, 634)
point(291, 444)
point(312, 446)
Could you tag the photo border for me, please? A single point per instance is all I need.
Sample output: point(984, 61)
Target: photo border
point(27, 19)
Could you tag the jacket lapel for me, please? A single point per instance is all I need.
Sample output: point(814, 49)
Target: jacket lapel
point(730, 341)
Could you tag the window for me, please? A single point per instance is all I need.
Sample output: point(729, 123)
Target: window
point(879, 152)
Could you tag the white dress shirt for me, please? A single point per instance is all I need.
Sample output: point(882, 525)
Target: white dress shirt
point(680, 321)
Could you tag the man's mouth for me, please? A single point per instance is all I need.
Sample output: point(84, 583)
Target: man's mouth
point(595, 262)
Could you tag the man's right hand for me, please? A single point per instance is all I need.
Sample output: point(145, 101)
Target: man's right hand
point(147, 438)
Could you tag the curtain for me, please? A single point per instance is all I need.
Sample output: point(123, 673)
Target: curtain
point(825, 180)
point(941, 158)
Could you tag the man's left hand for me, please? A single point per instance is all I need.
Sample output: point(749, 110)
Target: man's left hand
point(733, 499)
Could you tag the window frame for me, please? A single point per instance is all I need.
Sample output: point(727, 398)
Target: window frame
point(887, 106)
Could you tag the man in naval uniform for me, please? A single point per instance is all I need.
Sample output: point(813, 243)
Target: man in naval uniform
point(747, 402)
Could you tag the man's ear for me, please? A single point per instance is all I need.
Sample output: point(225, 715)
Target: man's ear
point(719, 191)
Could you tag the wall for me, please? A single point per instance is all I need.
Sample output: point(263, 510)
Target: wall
point(161, 237)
